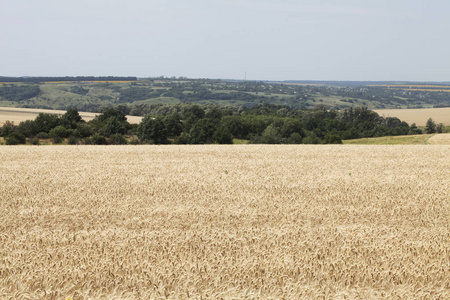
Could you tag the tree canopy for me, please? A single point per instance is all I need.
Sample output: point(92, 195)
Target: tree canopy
point(197, 124)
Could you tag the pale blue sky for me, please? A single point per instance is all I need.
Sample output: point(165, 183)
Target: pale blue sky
point(273, 40)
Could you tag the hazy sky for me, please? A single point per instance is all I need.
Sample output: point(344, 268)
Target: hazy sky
point(274, 40)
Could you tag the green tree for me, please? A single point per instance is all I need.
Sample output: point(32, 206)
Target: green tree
point(7, 128)
point(46, 122)
point(311, 138)
point(70, 119)
point(201, 132)
point(430, 127)
point(271, 135)
point(15, 138)
point(414, 130)
point(152, 130)
point(98, 139)
point(235, 125)
point(291, 126)
point(111, 121)
point(222, 136)
point(295, 138)
point(189, 121)
point(83, 130)
point(214, 113)
point(112, 112)
point(59, 131)
point(28, 128)
point(195, 110)
point(331, 138)
point(173, 125)
point(126, 109)
point(113, 125)
point(72, 140)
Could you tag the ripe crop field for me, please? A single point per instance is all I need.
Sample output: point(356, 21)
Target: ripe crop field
point(225, 222)
point(418, 115)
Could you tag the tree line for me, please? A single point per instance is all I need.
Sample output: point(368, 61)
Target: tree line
point(19, 93)
point(196, 124)
point(66, 78)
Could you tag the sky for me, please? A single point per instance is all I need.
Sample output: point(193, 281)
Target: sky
point(228, 39)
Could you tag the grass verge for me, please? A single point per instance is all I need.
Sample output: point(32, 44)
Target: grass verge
point(392, 140)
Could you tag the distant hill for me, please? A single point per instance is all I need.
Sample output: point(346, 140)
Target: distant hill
point(361, 83)
point(65, 78)
point(89, 94)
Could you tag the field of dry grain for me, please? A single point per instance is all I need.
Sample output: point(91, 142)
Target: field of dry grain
point(440, 139)
point(225, 222)
point(18, 115)
point(419, 115)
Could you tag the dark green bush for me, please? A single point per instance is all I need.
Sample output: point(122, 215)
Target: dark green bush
point(15, 138)
point(98, 139)
point(59, 131)
point(72, 140)
point(57, 140)
point(42, 135)
point(117, 139)
point(35, 141)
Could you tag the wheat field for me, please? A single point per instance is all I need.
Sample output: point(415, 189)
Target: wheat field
point(419, 116)
point(225, 222)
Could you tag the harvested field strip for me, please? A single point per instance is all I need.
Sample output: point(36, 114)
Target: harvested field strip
point(231, 222)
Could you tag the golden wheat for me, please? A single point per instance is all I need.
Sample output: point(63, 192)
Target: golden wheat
point(225, 222)
point(419, 116)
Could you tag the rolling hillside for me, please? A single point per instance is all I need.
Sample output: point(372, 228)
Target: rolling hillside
point(90, 96)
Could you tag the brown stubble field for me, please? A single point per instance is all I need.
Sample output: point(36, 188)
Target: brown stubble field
point(225, 222)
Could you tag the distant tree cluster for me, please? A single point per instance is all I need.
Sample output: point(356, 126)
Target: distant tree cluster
point(196, 124)
point(110, 127)
point(432, 127)
point(79, 90)
point(19, 93)
point(137, 93)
